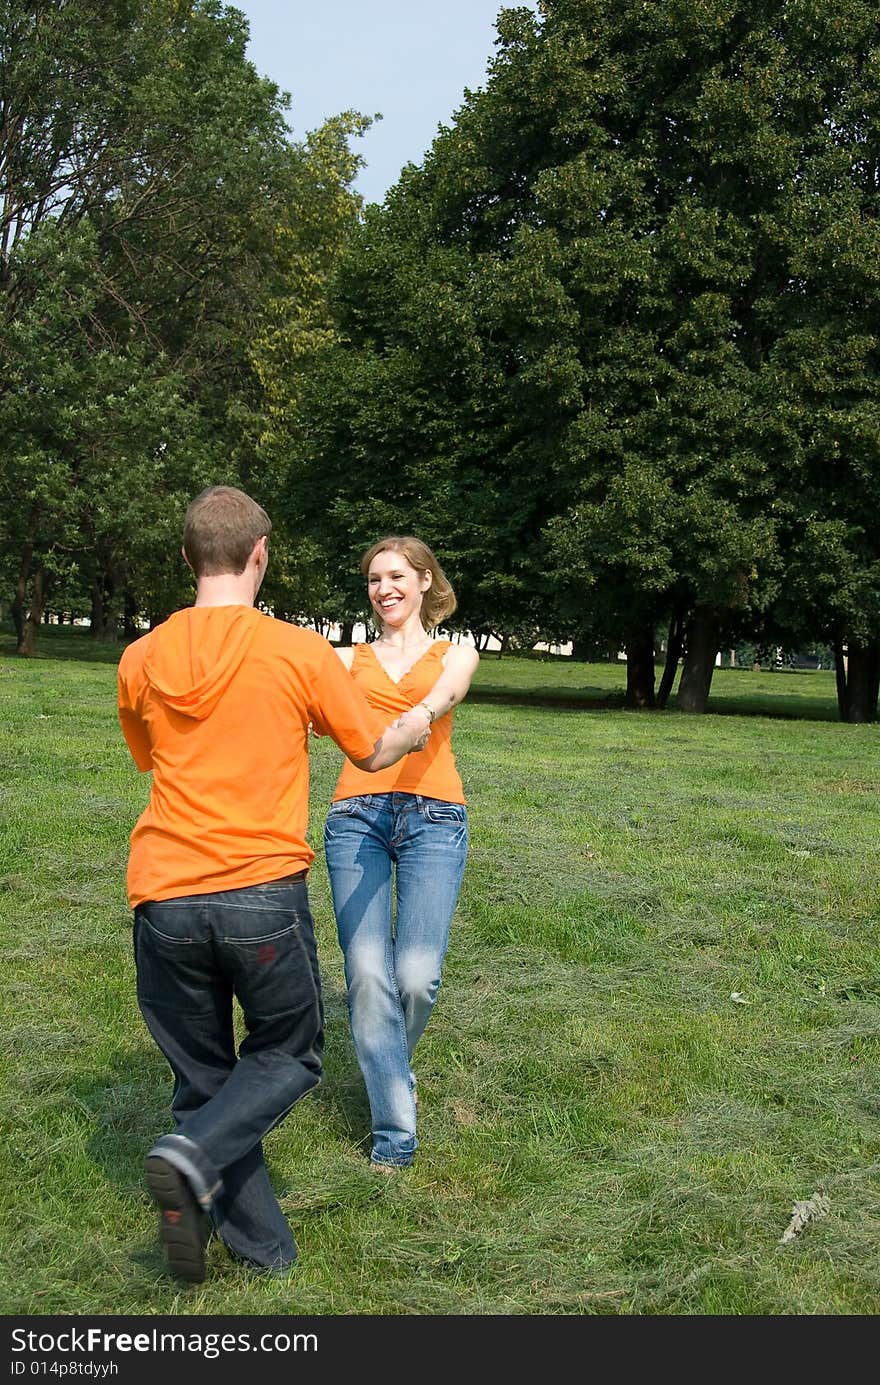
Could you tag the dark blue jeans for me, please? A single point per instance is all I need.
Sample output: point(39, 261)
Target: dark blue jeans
point(193, 955)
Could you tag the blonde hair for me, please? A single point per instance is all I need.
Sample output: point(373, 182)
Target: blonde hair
point(439, 600)
point(221, 527)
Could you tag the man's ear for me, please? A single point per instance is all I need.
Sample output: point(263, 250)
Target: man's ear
point(185, 558)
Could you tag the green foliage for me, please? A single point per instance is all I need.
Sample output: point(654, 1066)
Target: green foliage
point(610, 346)
point(155, 213)
point(297, 327)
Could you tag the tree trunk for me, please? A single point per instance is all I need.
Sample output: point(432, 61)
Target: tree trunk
point(673, 654)
point(130, 624)
point(701, 646)
point(861, 679)
point(580, 650)
point(346, 632)
point(103, 622)
point(16, 610)
point(98, 612)
point(840, 680)
point(27, 640)
point(639, 645)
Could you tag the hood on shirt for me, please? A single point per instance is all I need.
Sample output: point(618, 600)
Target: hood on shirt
point(195, 654)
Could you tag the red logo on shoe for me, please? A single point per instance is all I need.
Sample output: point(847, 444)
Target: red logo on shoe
point(172, 1217)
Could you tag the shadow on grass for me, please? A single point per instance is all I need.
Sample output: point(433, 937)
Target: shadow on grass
point(780, 709)
point(591, 699)
point(600, 700)
point(130, 1101)
point(342, 1095)
point(73, 644)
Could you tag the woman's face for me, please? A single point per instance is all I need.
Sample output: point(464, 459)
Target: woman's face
point(395, 587)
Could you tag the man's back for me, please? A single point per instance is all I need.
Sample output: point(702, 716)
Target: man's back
point(217, 701)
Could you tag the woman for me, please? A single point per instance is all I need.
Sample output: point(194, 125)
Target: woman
point(399, 836)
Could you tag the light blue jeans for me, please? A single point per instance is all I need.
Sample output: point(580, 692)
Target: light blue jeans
point(384, 850)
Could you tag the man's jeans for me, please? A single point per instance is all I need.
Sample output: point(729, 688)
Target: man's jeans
point(193, 954)
point(392, 972)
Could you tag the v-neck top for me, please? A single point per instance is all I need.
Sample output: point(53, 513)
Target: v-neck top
point(431, 771)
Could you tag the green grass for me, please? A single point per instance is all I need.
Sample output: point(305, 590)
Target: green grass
point(658, 1029)
point(553, 680)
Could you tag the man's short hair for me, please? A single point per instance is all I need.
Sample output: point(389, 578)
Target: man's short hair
point(221, 527)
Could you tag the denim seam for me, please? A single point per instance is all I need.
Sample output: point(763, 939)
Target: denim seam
point(310, 968)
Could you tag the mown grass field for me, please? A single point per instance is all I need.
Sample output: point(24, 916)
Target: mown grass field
point(658, 1029)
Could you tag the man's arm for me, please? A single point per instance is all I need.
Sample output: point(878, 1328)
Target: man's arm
point(406, 734)
point(133, 729)
point(340, 709)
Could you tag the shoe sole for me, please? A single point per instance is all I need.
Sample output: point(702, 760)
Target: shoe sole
point(181, 1219)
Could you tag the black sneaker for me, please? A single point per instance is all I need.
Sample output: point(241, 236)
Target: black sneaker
point(182, 1223)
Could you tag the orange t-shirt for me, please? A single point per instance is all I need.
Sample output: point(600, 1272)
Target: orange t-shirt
point(431, 771)
point(217, 702)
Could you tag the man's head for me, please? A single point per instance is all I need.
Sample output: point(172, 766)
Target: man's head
point(222, 526)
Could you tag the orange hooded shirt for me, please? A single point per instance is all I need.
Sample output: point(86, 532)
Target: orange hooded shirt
point(217, 702)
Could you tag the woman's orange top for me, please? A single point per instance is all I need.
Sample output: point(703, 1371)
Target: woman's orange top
point(430, 771)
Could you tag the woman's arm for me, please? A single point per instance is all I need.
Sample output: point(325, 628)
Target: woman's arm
point(459, 664)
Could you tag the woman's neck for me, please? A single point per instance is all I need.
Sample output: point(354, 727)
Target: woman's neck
point(408, 636)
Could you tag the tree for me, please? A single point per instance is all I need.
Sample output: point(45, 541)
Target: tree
point(417, 413)
point(579, 317)
point(716, 176)
point(297, 327)
point(830, 428)
point(145, 171)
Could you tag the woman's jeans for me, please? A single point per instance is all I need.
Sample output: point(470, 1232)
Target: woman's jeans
point(392, 970)
point(193, 954)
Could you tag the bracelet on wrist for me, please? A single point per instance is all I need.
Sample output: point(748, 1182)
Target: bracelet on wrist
point(430, 710)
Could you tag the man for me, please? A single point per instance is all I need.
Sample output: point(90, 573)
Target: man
point(217, 702)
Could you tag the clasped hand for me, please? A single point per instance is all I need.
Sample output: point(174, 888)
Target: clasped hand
point(419, 728)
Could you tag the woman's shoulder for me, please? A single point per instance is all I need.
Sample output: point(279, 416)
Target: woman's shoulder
point(346, 653)
point(462, 656)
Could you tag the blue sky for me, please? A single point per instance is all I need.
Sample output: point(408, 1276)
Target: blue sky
point(409, 59)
